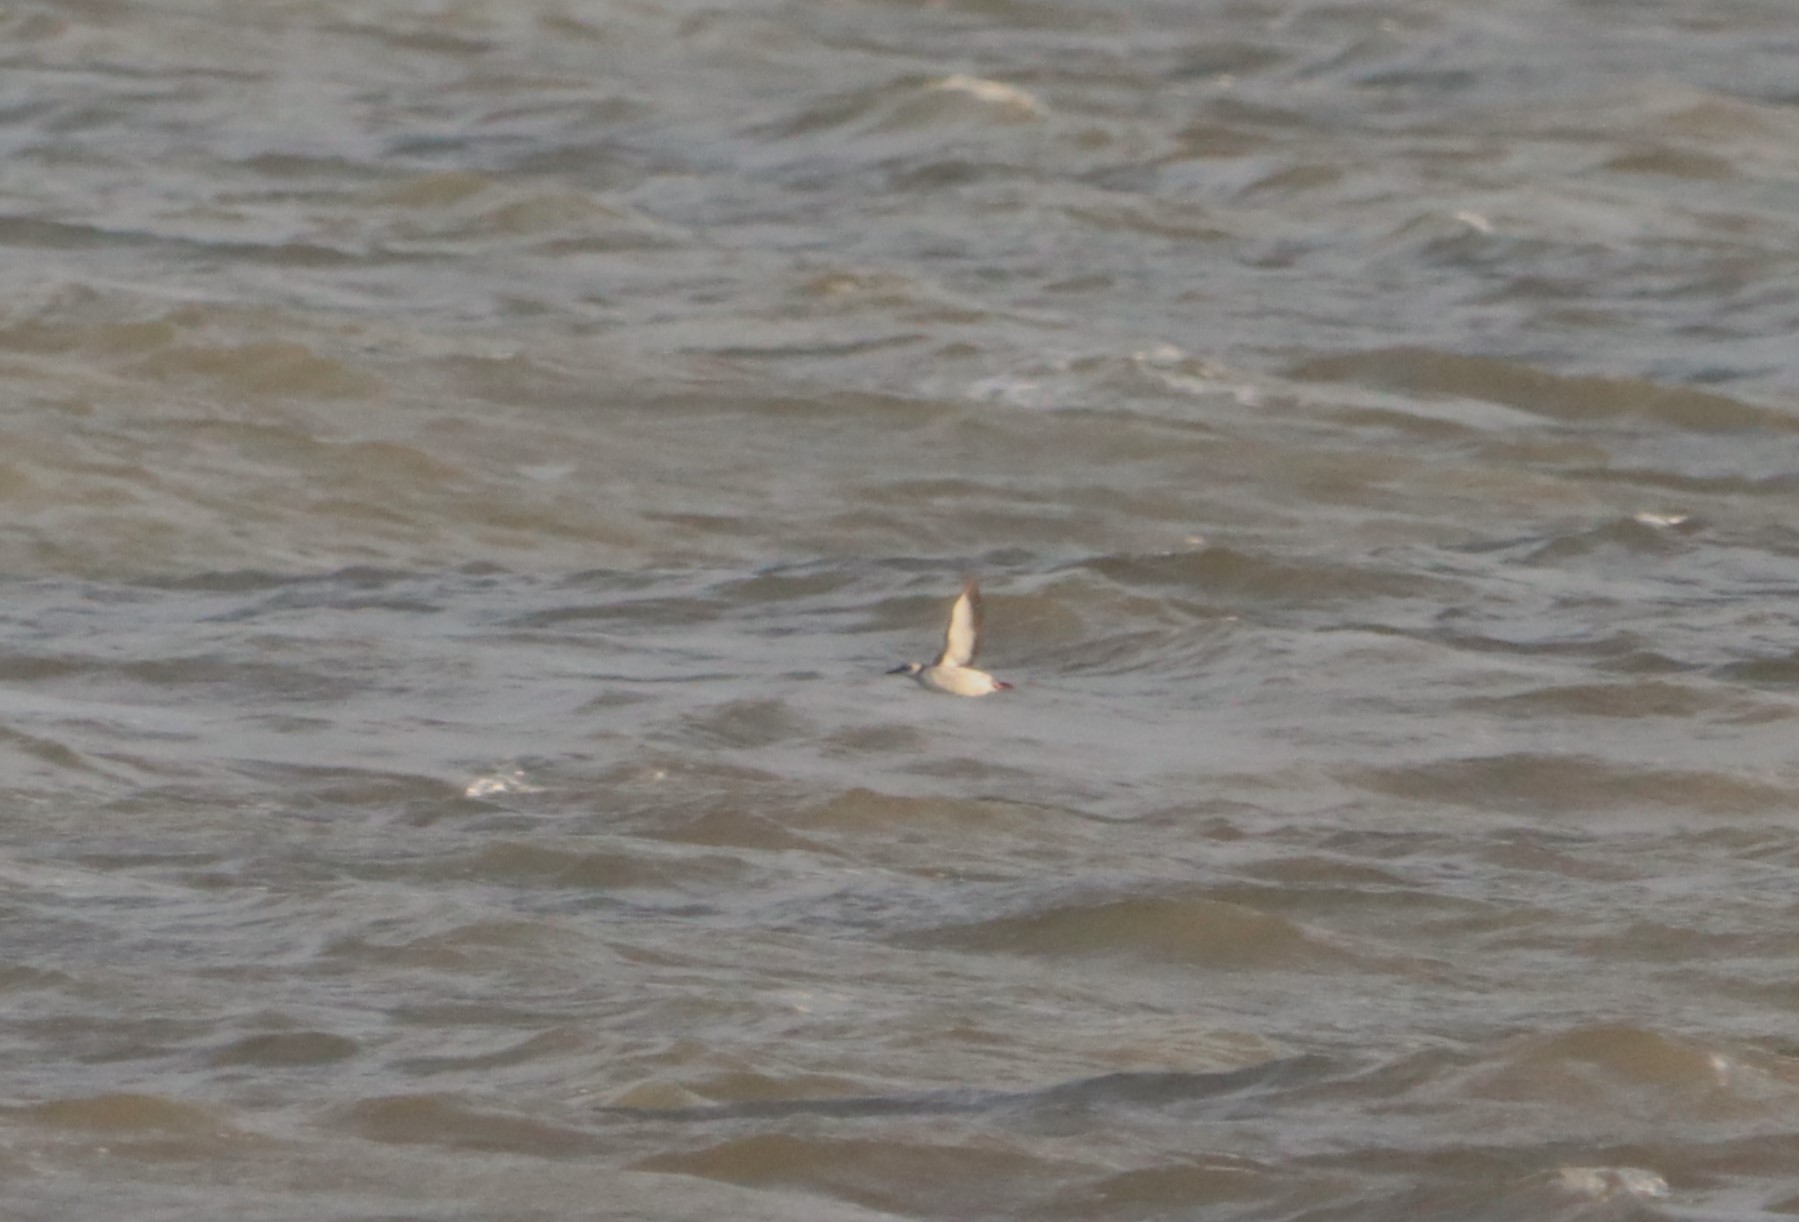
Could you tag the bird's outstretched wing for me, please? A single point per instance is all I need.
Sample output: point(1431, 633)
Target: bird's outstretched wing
point(962, 640)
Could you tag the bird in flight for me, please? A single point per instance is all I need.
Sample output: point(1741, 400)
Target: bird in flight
point(954, 671)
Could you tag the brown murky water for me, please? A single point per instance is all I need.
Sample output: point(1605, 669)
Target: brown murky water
point(466, 467)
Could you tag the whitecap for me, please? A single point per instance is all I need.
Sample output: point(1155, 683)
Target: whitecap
point(499, 783)
point(1609, 1183)
point(994, 93)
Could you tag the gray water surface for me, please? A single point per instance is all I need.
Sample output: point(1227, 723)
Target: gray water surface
point(465, 469)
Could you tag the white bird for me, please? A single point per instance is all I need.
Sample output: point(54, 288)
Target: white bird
point(953, 671)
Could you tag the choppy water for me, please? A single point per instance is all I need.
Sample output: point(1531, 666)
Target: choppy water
point(466, 467)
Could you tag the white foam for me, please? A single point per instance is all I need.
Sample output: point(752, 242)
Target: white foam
point(995, 93)
point(1607, 1183)
point(499, 783)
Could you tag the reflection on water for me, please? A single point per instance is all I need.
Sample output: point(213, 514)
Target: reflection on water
point(467, 471)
